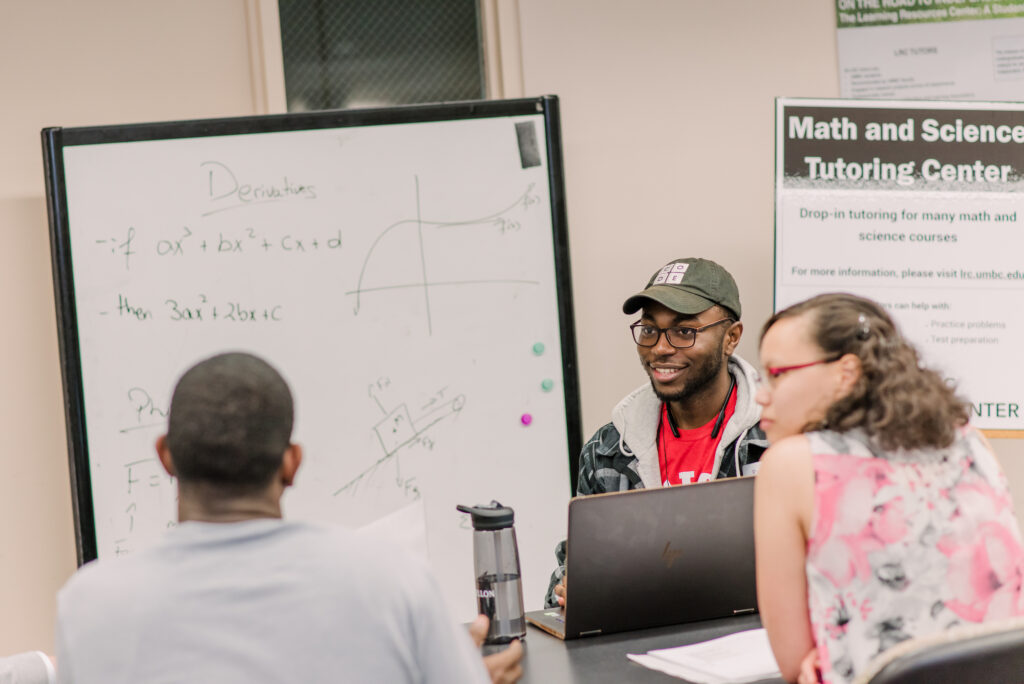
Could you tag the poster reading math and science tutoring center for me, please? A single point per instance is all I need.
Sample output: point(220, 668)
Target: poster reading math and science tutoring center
point(920, 206)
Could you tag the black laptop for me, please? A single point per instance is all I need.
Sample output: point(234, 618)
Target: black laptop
point(654, 557)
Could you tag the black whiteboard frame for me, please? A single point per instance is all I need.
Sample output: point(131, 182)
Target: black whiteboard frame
point(56, 139)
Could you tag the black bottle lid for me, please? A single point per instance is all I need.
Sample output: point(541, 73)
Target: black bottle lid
point(493, 516)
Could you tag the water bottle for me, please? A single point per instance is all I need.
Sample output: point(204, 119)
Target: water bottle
point(499, 592)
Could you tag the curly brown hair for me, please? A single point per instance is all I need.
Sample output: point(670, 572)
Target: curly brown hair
point(896, 400)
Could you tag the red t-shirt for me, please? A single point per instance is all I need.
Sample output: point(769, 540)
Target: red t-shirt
point(690, 457)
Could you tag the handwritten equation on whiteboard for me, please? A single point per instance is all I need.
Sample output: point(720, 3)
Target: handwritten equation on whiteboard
point(147, 493)
point(185, 243)
point(128, 246)
point(230, 242)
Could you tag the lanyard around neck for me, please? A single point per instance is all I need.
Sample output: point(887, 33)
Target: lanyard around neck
point(718, 421)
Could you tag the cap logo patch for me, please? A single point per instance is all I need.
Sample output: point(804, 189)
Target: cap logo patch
point(671, 274)
point(676, 275)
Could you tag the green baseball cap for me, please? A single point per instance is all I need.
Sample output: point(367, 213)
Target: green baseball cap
point(688, 286)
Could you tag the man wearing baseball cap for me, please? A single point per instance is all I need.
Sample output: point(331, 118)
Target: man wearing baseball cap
point(696, 420)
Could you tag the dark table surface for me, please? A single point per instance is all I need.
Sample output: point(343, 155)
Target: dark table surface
point(549, 660)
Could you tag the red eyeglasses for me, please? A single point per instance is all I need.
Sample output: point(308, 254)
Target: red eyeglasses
point(775, 372)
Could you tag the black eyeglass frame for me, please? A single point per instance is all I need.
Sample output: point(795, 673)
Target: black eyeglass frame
point(664, 331)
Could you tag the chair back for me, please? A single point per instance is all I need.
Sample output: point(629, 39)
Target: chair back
point(976, 654)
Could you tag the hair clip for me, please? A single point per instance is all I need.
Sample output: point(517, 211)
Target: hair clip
point(864, 332)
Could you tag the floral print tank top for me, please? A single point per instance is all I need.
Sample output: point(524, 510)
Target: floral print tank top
point(905, 544)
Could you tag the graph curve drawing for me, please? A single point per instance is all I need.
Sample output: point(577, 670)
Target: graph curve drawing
point(503, 220)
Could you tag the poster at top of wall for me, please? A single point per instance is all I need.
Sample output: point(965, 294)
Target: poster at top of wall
point(938, 49)
point(919, 206)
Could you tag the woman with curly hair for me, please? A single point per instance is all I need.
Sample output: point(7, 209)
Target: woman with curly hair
point(879, 514)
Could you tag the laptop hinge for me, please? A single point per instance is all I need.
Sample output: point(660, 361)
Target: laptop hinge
point(743, 611)
point(590, 632)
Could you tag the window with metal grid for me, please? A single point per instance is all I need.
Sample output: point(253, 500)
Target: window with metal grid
point(373, 53)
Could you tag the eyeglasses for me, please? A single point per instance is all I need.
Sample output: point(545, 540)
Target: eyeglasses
point(647, 335)
point(776, 372)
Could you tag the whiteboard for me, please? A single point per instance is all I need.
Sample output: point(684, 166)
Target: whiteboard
point(407, 272)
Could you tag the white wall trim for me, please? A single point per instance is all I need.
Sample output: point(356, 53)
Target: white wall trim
point(263, 23)
point(503, 63)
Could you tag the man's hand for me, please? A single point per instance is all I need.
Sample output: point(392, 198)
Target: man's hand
point(504, 667)
point(560, 590)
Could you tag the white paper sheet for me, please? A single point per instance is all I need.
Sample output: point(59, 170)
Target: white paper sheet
point(734, 659)
point(406, 527)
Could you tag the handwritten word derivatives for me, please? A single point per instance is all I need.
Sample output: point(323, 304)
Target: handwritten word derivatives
point(226, 191)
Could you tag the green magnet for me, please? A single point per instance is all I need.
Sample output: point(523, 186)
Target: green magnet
point(547, 384)
point(538, 348)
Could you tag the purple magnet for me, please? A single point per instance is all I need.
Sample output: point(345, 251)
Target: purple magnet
point(526, 419)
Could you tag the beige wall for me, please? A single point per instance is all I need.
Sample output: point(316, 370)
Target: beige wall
point(668, 124)
point(668, 120)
